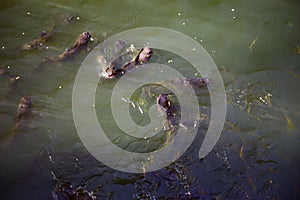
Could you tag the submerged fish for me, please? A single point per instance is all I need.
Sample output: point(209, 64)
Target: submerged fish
point(67, 191)
point(24, 112)
point(195, 82)
point(12, 82)
point(115, 69)
point(80, 44)
point(68, 18)
point(171, 109)
point(24, 108)
point(39, 42)
point(12, 79)
point(120, 46)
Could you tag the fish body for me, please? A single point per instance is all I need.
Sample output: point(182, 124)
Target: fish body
point(80, 43)
point(24, 108)
point(113, 71)
point(39, 42)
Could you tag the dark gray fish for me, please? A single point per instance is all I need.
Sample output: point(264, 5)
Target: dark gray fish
point(80, 44)
point(168, 108)
point(144, 55)
point(164, 102)
point(120, 46)
point(112, 71)
point(68, 18)
point(39, 42)
point(24, 108)
point(171, 110)
point(196, 82)
point(173, 182)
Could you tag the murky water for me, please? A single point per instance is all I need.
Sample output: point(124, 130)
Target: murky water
point(256, 47)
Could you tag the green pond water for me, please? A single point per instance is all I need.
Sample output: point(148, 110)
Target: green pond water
point(256, 46)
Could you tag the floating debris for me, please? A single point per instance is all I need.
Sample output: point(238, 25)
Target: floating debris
point(297, 49)
point(125, 100)
point(170, 61)
point(140, 109)
point(131, 48)
point(253, 43)
point(290, 124)
point(242, 152)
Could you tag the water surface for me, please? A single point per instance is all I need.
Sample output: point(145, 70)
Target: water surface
point(256, 47)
